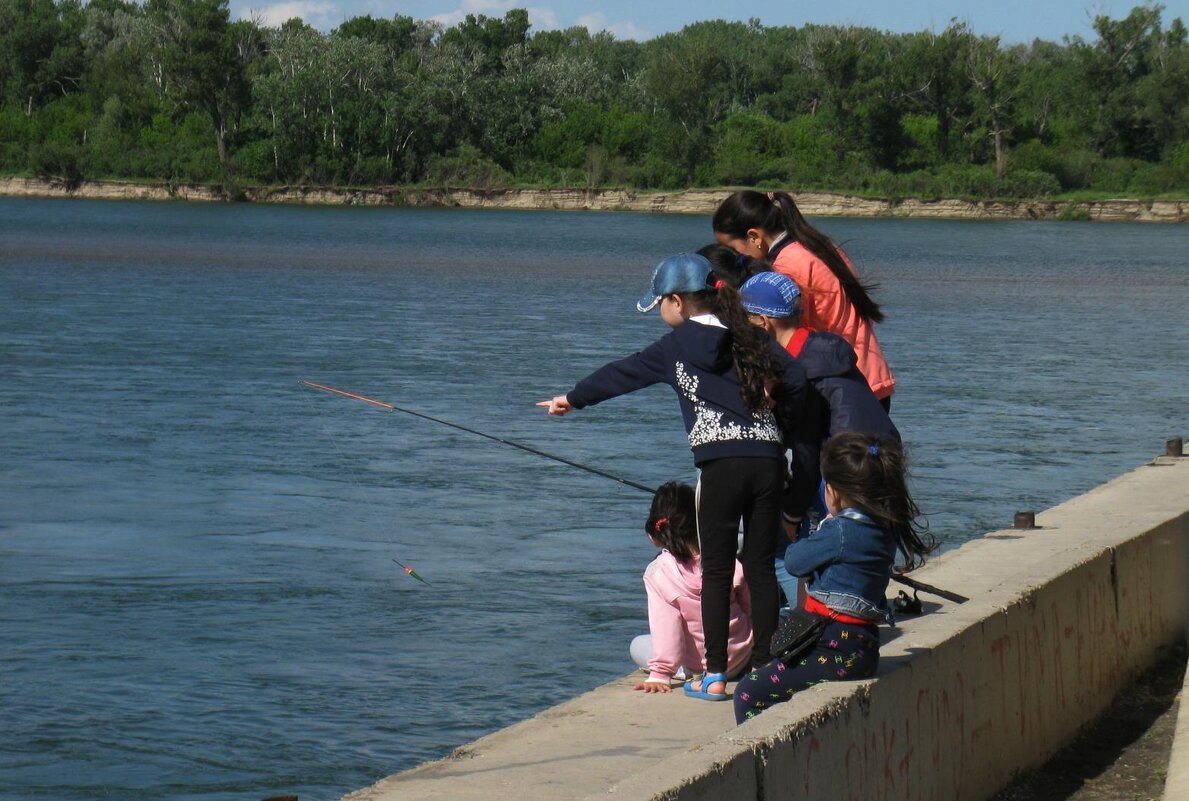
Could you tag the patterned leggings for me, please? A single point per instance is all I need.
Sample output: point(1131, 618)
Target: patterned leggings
point(844, 651)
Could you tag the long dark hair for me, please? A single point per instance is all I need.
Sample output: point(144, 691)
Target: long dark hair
point(776, 211)
point(673, 520)
point(732, 267)
point(745, 346)
point(870, 472)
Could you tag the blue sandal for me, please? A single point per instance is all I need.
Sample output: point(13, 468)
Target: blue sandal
point(707, 679)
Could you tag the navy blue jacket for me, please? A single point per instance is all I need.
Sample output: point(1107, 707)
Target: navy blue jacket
point(839, 400)
point(719, 424)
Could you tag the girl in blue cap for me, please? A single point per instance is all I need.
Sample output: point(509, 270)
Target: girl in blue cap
point(741, 397)
point(839, 399)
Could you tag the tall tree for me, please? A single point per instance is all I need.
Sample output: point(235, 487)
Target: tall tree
point(1114, 67)
point(204, 59)
point(942, 80)
point(994, 79)
point(41, 55)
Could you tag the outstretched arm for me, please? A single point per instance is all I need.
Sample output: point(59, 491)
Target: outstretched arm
point(613, 379)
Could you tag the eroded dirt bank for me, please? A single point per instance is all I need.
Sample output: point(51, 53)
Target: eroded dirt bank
point(691, 201)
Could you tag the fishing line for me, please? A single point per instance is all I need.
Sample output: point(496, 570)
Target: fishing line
point(355, 477)
point(394, 408)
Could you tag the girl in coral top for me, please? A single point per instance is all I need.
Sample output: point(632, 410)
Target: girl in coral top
point(770, 226)
point(675, 645)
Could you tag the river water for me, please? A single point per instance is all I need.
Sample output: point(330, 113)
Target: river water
point(197, 592)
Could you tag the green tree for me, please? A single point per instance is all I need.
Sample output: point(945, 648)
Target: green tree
point(204, 60)
point(696, 78)
point(41, 55)
point(942, 82)
point(1114, 68)
point(994, 80)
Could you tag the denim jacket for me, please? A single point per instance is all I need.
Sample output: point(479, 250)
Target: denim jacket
point(848, 563)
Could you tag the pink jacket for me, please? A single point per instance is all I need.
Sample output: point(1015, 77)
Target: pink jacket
point(675, 617)
point(827, 309)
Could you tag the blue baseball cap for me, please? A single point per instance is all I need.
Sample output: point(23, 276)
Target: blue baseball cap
point(684, 272)
point(770, 294)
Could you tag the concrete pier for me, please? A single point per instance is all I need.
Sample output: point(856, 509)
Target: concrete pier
point(1060, 618)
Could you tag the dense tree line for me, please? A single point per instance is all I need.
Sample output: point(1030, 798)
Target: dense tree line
point(174, 90)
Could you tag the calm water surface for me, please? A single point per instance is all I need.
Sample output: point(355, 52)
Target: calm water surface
point(197, 598)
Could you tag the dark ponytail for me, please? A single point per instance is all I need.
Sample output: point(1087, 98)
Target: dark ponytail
point(870, 472)
point(733, 268)
point(673, 520)
point(777, 211)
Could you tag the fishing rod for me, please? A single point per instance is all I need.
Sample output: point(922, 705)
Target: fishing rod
point(908, 582)
point(929, 588)
point(394, 408)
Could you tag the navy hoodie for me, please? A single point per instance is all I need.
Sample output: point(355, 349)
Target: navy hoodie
point(839, 400)
point(719, 424)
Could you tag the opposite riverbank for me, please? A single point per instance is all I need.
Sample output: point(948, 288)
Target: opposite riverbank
point(689, 201)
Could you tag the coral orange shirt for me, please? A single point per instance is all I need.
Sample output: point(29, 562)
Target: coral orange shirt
point(826, 308)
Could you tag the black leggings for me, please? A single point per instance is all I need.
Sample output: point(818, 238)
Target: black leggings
point(730, 489)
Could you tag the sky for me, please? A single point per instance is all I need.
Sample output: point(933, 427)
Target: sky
point(1013, 20)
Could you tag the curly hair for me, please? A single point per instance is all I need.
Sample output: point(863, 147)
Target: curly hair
point(745, 346)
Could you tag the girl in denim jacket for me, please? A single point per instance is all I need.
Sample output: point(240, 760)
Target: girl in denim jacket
point(847, 562)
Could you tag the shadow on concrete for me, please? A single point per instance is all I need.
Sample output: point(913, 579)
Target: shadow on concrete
point(1124, 754)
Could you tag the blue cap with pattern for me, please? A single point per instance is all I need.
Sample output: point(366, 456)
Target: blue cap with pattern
point(770, 294)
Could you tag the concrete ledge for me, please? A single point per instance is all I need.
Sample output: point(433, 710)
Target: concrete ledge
point(1061, 618)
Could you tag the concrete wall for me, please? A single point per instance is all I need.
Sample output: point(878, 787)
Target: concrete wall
point(1059, 620)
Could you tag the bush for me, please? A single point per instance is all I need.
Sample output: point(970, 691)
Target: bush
point(14, 140)
point(976, 181)
point(655, 172)
point(57, 161)
point(1073, 212)
point(1159, 179)
point(178, 150)
point(920, 131)
point(466, 167)
point(750, 149)
point(255, 161)
point(1075, 169)
point(370, 171)
point(1114, 175)
point(811, 152)
point(1028, 184)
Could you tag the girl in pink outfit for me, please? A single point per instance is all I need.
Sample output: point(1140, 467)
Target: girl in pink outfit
point(770, 226)
point(675, 647)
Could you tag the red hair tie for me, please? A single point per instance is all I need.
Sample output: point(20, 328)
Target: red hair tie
point(718, 284)
point(660, 523)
